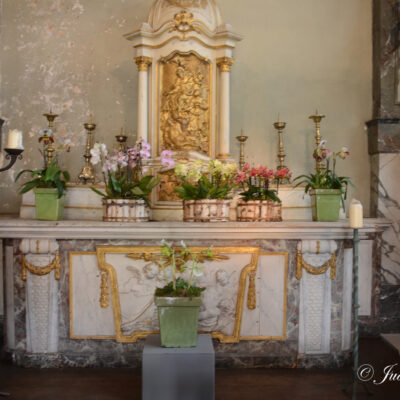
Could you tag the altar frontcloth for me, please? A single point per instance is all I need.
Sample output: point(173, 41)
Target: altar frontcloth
point(178, 373)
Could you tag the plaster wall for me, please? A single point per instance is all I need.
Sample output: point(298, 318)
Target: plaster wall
point(69, 55)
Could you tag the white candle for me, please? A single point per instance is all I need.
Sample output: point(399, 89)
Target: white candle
point(14, 140)
point(356, 214)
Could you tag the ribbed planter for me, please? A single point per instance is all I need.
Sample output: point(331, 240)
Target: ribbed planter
point(178, 317)
point(48, 206)
point(207, 210)
point(325, 204)
point(125, 210)
point(259, 211)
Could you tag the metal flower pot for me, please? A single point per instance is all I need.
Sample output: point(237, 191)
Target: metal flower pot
point(178, 317)
point(325, 204)
point(48, 206)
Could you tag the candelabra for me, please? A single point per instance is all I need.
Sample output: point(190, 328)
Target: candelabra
point(12, 153)
point(50, 150)
point(121, 139)
point(317, 120)
point(280, 126)
point(87, 173)
point(242, 140)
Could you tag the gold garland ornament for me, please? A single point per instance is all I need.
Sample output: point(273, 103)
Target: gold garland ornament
point(331, 263)
point(55, 264)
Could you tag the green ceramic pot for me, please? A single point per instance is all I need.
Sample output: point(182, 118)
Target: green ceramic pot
point(48, 206)
point(178, 317)
point(325, 204)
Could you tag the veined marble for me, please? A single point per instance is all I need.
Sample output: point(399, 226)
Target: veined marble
point(389, 207)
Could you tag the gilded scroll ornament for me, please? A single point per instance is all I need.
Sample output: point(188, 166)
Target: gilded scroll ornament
point(40, 271)
point(251, 294)
point(168, 183)
point(331, 263)
point(225, 63)
point(143, 63)
point(185, 103)
point(183, 22)
point(104, 293)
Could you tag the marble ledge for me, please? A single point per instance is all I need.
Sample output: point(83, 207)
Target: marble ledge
point(16, 228)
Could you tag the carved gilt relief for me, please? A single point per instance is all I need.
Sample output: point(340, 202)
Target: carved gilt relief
point(185, 103)
point(188, 3)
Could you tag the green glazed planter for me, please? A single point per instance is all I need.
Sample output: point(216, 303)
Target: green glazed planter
point(325, 204)
point(48, 206)
point(178, 317)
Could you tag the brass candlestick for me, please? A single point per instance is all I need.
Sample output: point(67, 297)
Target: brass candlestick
point(50, 150)
point(121, 139)
point(280, 126)
point(242, 140)
point(87, 173)
point(317, 120)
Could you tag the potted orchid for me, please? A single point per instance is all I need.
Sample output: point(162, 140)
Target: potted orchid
point(179, 300)
point(327, 190)
point(49, 183)
point(205, 189)
point(128, 187)
point(258, 202)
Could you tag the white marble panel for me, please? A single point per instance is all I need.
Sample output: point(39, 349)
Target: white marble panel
point(88, 318)
point(347, 314)
point(138, 279)
point(10, 312)
point(268, 318)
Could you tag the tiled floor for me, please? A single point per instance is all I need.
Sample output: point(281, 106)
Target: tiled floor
point(253, 384)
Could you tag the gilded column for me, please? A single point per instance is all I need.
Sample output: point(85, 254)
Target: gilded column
point(224, 64)
point(143, 64)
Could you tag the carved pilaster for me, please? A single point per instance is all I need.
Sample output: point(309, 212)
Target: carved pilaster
point(316, 268)
point(41, 270)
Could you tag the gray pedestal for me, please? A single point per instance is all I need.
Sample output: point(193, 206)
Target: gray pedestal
point(178, 374)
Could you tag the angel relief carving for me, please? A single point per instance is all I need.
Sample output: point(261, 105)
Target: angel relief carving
point(185, 104)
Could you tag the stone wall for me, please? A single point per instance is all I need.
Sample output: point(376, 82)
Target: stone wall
point(69, 55)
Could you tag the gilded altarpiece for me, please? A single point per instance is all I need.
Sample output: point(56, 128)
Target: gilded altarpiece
point(185, 103)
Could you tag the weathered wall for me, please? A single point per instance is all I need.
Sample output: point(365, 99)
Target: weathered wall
point(296, 56)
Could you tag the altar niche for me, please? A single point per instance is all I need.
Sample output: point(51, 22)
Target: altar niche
point(185, 103)
point(184, 55)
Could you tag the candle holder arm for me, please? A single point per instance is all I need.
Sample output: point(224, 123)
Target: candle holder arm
point(12, 155)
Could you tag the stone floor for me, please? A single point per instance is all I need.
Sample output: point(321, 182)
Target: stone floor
point(250, 384)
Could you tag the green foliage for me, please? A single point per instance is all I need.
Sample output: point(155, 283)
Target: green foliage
point(183, 289)
point(121, 187)
point(325, 179)
point(180, 267)
point(259, 193)
point(50, 177)
point(204, 189)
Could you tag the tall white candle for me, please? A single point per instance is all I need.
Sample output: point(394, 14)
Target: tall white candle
point(14, 140)
point(356, 214)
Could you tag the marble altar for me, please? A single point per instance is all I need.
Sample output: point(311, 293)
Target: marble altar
point(76, 297)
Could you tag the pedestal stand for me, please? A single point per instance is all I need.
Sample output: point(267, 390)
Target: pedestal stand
point(178, 373)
